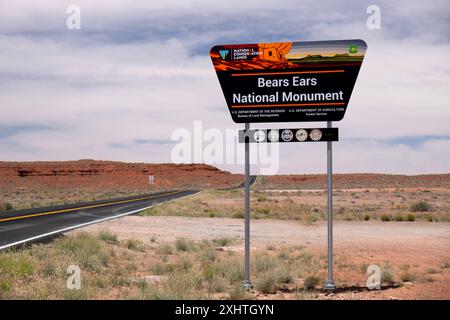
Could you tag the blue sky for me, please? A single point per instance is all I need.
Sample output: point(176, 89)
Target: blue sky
point(117, 88)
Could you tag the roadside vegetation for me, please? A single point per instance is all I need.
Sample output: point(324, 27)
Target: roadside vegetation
point(309, 206)
point(129, 269)
point(268, 202)
point(113, 268)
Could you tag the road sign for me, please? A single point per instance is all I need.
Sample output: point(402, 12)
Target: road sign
point(151, 180)
point(289, 135)
point(288, 81)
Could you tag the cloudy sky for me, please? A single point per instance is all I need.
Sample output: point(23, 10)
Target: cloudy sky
point(118, 88)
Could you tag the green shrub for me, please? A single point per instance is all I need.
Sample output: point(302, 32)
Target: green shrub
point(5, 287)
point(404, 267)
point(399, 217)
point(184, 264)
point(311, 282)
point(264, 211)
point(261, 198)
point(420, 206)
point(184, 245)
point(209, 272)
point(231, 269)
point(6, 206)
point(48, 270)
point(432, 271)
point(90, 252)
point(217, 284)
point(14, 264)
point(284, 254)
point(238, 215)
point(366, 217)
point(134, 244)
point(157, 268)
point(107, 236)
point(179, 286)
point(264, 263)
point(364, 267)
point(303, 294)
point(266, 283)
point(385, 217)
point(208, 255)
point(407, 277)
point(387, 275)
point(237, 293)
point(223, 242)
point(410, 217)
point(283, 275)
point(165, 249)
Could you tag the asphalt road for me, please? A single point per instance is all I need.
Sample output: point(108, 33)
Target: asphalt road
point(242, 185)
point(31, 225)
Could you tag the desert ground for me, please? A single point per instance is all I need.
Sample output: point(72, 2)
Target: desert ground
point(193, 247)
point(416, 253)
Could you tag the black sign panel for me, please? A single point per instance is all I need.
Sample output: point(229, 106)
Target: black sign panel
point(288, 81)
point(289, 135)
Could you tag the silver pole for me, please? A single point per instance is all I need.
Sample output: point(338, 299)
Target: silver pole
point(247, 283)
point(329, 284)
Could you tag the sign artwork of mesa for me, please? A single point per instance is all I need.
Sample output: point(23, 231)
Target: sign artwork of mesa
point(288, 81)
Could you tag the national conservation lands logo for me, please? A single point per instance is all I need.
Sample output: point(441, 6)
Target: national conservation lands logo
point(223, 53)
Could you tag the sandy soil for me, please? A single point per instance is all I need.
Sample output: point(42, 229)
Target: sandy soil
point(409, 238)
point(420, 245)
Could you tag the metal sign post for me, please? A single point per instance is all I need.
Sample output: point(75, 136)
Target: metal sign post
point(247, 283)
point(329, 283)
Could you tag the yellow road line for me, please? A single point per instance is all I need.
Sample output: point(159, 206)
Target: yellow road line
point(85, 207)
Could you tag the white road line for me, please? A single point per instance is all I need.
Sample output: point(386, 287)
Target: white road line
point(85, 224)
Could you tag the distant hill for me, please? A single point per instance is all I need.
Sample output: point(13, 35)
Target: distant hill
point(34, 184)
point(361, 180)
point(110, 175)
point(343, 57)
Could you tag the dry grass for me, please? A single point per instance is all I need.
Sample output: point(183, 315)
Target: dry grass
point(308, 206)
point(113, 269)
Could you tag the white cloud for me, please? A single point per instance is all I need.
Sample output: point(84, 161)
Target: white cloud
point(115, 82)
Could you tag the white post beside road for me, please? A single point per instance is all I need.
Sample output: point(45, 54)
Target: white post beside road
point(151, 180)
